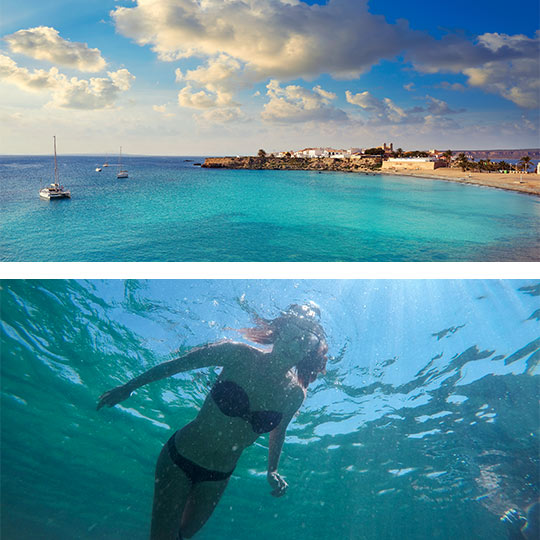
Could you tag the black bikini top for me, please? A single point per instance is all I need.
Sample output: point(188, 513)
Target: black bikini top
point(233, 400)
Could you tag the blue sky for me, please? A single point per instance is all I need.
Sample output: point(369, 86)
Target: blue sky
point(206, 77)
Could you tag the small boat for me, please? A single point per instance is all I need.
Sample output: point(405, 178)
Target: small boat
point(55, 190)
point(98, 169)
point(106, 164)
point(122, 173)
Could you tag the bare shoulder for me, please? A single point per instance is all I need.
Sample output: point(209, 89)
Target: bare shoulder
point(231, 353)
point(296, 394)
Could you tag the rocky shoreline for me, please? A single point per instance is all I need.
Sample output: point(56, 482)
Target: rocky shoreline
point(369, 164)
point(526, 183)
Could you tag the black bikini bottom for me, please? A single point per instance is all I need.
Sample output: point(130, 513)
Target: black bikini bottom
point(194, 472)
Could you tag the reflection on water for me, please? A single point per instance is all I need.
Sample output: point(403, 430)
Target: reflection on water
point(425, 426)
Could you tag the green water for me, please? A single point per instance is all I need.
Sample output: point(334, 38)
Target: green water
point(425, 426)
point(170, 210)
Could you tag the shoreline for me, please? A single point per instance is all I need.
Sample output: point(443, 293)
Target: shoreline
point(521, 183)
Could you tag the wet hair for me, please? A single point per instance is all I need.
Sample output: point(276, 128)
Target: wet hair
point(305, 316)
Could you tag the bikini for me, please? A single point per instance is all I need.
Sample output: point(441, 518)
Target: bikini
point(232, 400)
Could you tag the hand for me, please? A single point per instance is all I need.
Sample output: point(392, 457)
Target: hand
point(114, 396)
point(514, 521)
point(278, 484)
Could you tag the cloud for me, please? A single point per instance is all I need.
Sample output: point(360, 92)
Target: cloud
point(438, 107)
point(502, 64)
point(451, 86)
point(187, 97)
point(294, 104)
point(250, 41)
point(222, 116)
point(386, 112)
point(45, 43)
point(162, 109)
point(274, 38)
point(69, 93)
point(379, 110)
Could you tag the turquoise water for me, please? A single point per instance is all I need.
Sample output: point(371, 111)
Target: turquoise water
point(169, 210)
point(425, 426)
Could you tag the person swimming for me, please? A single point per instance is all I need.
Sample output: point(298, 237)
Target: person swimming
point(258, 391)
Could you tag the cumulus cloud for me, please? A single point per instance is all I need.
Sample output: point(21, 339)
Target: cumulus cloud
point(248, 41)
point(451, 86)
point(379, 110)
point(497, 63)
point(293, 104)
point(438, 107)
point(274, 38)
point(386, 112)
point(45, 43)
point(188, 97)
point(69, 93)
point(162, 109)
point(222, 116)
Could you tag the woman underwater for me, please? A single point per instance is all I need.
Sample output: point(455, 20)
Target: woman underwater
point(256, 392)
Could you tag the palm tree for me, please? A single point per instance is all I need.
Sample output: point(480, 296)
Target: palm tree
point(261, 153)
point(525, 163)
point(448, 156)
point(462, 161)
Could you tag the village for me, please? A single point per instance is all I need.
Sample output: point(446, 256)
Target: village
point(418, 160)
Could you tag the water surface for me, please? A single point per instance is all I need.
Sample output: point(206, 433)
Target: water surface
point(170, 210)
point(425, 426)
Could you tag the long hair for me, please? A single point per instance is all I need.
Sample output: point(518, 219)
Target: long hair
point(266, 331)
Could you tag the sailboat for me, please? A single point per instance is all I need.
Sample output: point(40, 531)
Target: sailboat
point(55, 190)
point(121, 172)
point(106, 164)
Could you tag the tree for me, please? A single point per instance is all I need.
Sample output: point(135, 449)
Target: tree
point(448, 156)
point(374, 152)
point(399, 152)
point(462, 161)
point(261, 153)
point(525, 163)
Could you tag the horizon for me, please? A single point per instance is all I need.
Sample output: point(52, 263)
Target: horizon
point(354, 73)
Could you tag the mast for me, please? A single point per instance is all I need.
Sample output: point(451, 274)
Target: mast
point(55, 164)
point(120, 160)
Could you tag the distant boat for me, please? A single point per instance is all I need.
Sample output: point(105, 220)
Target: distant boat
point(55, 190)
point(106, 164)
point(122, 173)
point(98, 169)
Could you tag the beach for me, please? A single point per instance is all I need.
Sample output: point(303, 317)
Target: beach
point(525, 183)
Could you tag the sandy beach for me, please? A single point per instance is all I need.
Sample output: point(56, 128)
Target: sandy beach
point(525, 183)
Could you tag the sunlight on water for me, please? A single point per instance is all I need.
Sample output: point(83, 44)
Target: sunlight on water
point(425, 426)
point(170, 210)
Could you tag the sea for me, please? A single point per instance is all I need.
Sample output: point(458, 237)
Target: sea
point(169, 209)
point(425, 425)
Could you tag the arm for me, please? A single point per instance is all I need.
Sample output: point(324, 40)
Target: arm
point(276, 440)
point(216, 354)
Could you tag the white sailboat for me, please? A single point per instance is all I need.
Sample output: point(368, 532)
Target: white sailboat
point(106, 164)
point(122, 173)
point(55, 190)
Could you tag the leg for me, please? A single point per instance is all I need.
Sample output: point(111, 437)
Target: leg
point(201, 502)
point(171, 491)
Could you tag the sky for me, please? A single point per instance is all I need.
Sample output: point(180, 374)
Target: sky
point(227, 77)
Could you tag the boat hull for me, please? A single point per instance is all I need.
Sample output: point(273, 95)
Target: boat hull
point(49, 195)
